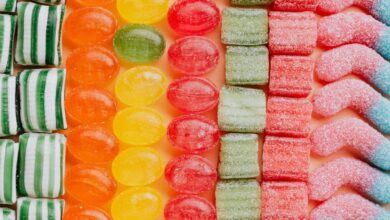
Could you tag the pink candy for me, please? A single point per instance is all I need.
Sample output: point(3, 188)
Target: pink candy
point(336, 6)
point(295, 5)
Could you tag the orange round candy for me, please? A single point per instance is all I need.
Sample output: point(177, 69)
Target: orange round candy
point(86, 105)
point(92, 144)
point(90, 26)
point(89, 3)
point(89, 184)
point(92, 66)
point(81, 212)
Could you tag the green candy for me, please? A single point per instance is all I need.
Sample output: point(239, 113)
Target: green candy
point(7, 214)
point(139, 43)
point(250, 2)
point(41, 209)
point(8, 162)
point(8, 6)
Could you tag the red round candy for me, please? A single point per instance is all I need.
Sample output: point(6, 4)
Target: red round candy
point(193, 133)
point(189, 207)
point(194, 17)
point(190, 174)
point(193, 55)
point(193, 94)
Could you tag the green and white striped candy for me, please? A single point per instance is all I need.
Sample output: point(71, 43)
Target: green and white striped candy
point(39, 34)
point(8, 118)
point(42, 100)
point(7, 32)
point(40, 209)
point(7, 5)
point(7, 214)
point(41, 165)
point(8, 166)
point(50, 2)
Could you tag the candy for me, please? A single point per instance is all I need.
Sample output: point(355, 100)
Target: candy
point(8, 5)
point(9, 124)
point(7, 214)
point(193, 55)
point(244, 26)
point(94, 65)
point(190, 174)
point(295, 5)
point(189, 207)
point(85, 212)
point(92, 144)
point(288, 116)
point(7, 32)
point(141, 85)
point(193, 134)
point(138, 43)
point(142, 12)
point(239, 156)
point(354, 133)
point(137, 203)
point(127, 127)
point(358, 59)
point(89, 3)
point(137, 166)
point(200, 92)
point(286, 158)
point(50, 1)
point(242, 110)
point(353, 27)
point(41, 165)
point(327, 179)
point(247, 65)
point(284, 200)
point(39, 34)
point(81, 105)
point(358, 96)
point(250, 2)
point(89, 184)
point(238, 199)
point(292, 33)
point(291, 76)
point(8, 162)
point(194, 17)
point(40, 209)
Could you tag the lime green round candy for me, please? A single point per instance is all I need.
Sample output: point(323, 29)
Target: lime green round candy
point(139, 43)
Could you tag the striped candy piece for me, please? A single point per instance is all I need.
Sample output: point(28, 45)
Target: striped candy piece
point(42, 99)
point(7, 214)
point(7, 5)
point(41, 165)
point(8, 163)
point(51, 2)
point(40, 209)
point(8, 118)
point(7, 32)
point(39, 34)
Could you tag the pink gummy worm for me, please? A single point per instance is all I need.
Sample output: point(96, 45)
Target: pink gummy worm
point(336, 6)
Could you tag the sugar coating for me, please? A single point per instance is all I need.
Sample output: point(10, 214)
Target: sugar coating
point(250, 2)
point(381, 10)
point(354, 133)
point(383, 44)
point(349, 207)
point(295, 5)
point(327, 179)
point(379, 114)
point(382, 79)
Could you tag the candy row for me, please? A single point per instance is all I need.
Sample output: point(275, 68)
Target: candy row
point(39, 209)
point(9, 6)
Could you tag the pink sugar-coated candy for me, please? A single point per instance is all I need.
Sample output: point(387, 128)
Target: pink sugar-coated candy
point(292, 33)
point(349, 207)
point(295, 5)
point(336, 6)
point(189, 207)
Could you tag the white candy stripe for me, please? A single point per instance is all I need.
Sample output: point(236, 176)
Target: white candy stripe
point(6, 41)
point(27, 33)
point(29, 169)
point(32, 95)
point(2, 165)
point(13, 124)
point(45, 209)
point(15, 165)
point(50, 100)
point(9, 216)
point(32, 210)
point(46, 166)
point(2, 96)
point(42, 25)
point(57, 166)
point(3, 3)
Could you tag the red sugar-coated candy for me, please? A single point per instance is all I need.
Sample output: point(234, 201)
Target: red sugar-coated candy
point(81, 212)
point(193, 55)
point(191, 174)
point(284, 200)
point(193, 94)
point(288, 117)
point(292, 33)
point(336, 6)
point(189, 207)
point(194, 17)
point(193, 133)
point(291, 76)
point(295, 5)
point(286, 158)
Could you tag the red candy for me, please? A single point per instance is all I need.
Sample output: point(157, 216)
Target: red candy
point(189, 207)
point(295, 5)
point(191, 174)
point(194, 17)
point(193, 94)
point(193, 133)
point(193, 55)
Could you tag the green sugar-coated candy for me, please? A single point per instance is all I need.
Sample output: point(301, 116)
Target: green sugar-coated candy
point(247, 65)
point(244, 26)
point(250, 2)
point(241, 110)
point(138, 43)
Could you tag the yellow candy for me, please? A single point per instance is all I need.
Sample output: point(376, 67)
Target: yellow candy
point(140, 86)
point(138, 203)
point(139, 126)
point(142, 11)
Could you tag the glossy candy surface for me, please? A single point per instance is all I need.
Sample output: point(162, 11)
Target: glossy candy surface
point(189, 207)
point(142, 12)
point(89, 3)
point(80, 212)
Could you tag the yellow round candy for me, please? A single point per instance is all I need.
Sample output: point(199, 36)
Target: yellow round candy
point(142, 11)
point(139, 126)
point(140, 86)
point(137, 166)
point(138, 203)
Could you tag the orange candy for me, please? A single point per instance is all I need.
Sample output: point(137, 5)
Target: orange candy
point(85, 213)
point(90, 26)
point(89, 3)
point(86, 105)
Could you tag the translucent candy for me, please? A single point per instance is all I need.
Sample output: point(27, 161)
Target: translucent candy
point(142, 12)
point(79, 212)
point(189, 207)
